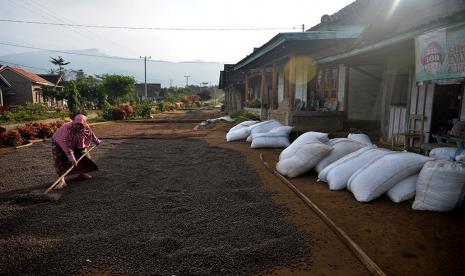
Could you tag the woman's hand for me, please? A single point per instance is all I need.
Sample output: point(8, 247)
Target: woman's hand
point(73, 163)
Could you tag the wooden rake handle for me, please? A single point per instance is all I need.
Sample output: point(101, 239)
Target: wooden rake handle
point(68, 171)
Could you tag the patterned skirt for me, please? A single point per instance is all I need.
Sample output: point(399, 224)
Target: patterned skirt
point(62, 163)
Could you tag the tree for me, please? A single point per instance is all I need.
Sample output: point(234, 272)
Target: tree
point(74, 104)
point(119, 88)
point(205, 94)
point(87, 92)
point(102, 98)
point(60, 62)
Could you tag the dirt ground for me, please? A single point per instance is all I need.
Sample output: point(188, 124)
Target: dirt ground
point(157, 206)
point(400, 240)
point(170, 124)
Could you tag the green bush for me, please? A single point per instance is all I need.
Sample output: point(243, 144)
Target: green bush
point(32, 108)
point(143, 109)
point(117, 112)
point(165, 106)
point(249, 115)
point(29, 112)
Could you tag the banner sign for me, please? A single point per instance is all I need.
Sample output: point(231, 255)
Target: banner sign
point(440, 54)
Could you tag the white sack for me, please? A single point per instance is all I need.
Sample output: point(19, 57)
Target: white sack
point(361, 138)
point(341, 148)
point(376, 178)
point(440, 186)
point(302, 140)
point(338, 173)
point(239, 131)
point(404, 190)
point(304, 159)
point(278, 137)
point(445, 153)
point(336, 140)
point(262, 127)
point(243, 124)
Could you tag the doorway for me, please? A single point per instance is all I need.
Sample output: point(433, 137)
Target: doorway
point(446, 107)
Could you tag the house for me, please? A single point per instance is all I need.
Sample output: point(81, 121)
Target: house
point(280, 75)
point(153, 91)
point(231, 82)
point(26, 87)
point(59, 82)
point(409, 60)
point(372, 64)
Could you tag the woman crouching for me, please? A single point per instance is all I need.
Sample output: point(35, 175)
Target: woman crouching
point(69, 143)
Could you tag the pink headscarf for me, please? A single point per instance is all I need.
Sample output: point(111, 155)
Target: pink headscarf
point(69, 138)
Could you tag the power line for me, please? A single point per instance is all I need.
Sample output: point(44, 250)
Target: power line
point(66, 52)
point(144, 28)
point(22, 65)
point(89, 34)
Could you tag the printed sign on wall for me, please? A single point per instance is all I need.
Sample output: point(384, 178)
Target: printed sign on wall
point(440, 54)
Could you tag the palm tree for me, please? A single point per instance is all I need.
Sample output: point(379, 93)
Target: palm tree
point(60, 62)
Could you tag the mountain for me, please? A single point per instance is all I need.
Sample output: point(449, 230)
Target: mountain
point(158, 71)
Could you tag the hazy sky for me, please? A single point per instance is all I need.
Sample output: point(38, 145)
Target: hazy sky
point(222, 46)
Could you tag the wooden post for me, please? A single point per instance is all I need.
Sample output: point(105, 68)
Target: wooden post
point(274, 86)
point(263, 96)
point(292, 80)
point(246, 87)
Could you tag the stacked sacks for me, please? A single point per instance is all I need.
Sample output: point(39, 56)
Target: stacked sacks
point(240, 131)
point(338, 173)
point(404, 190)
point(440, 186)
point(301, 141)
point(303, 154)
point(341, 147)
point(378, 177)
point(262, 127)
point(278, 137)
point(445, 153)
point(361, 138)
point(304, 159)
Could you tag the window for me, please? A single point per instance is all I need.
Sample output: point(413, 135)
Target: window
point(327, 83)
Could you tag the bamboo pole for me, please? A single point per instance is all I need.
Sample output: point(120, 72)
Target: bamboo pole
point(356, 250)
point(68, 171)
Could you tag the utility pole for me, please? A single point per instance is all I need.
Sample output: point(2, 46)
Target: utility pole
point(187, 80)
point(145, 73)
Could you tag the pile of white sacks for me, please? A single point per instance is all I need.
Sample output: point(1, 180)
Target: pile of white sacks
point(436, 183)
point(267, 134)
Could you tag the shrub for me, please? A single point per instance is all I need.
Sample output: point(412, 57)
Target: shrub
point(127, 109)
point(3, 139)
point(116, 113)
point(29, 112)
point(165, 106)
point(32, 108)
point(45, 130)
point(27, 132)
point(143, 109)
point(249, 115)
point(14, 138)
